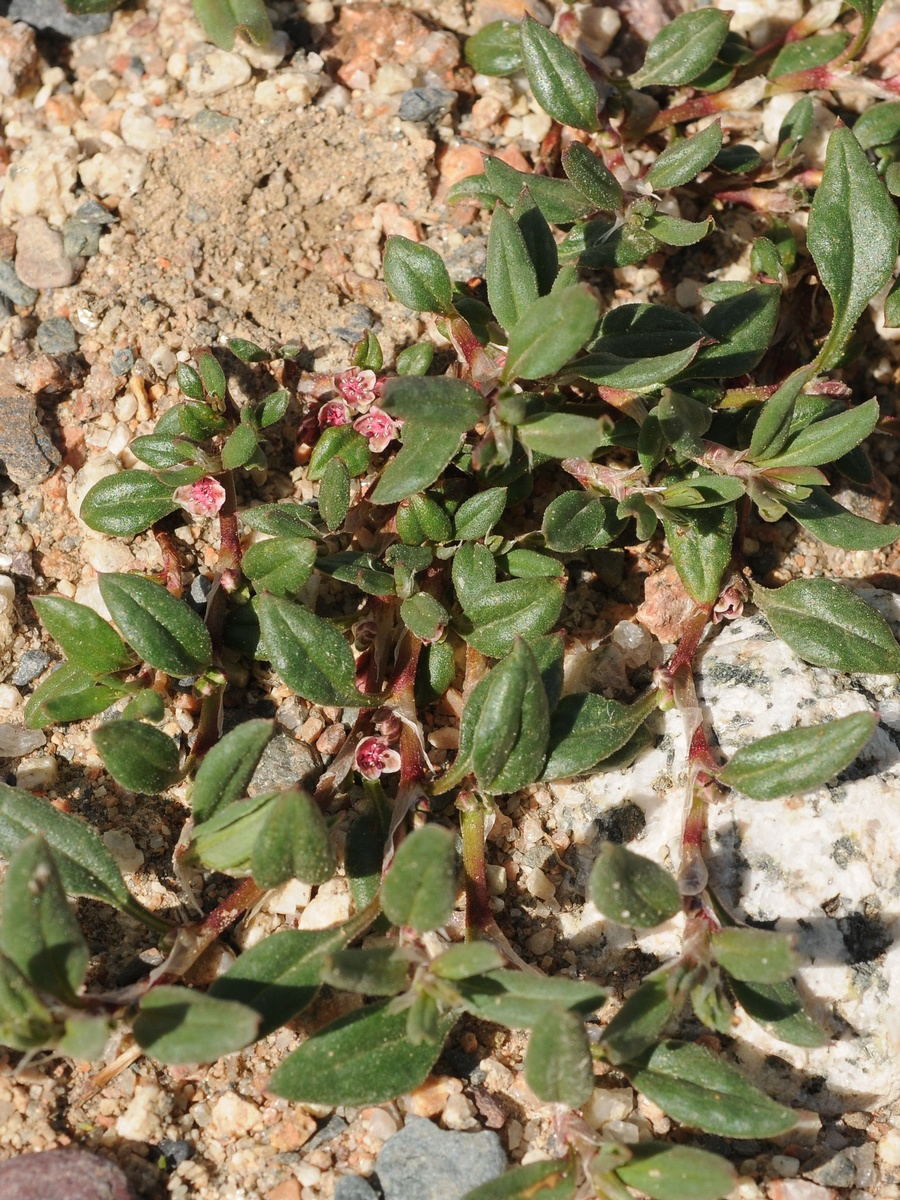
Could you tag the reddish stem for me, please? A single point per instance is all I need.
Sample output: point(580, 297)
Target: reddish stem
point(171, 563)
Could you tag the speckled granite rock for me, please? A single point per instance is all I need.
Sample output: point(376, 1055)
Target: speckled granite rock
point(27, 455)
point(822, 865)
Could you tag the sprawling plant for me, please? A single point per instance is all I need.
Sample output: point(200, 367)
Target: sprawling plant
point(419, 581)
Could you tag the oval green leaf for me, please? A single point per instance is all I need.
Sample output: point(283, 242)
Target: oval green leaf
point(164, 631)
point(128, 503)
point(421, 885)
point(138, 756)
point(632, 890)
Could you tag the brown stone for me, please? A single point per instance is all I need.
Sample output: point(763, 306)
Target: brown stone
point(289, 1190)
point(293, 1132)
point(67, 1174)
point(41, 261)
point(27, 455)
point(369, 35)
point(667, 607)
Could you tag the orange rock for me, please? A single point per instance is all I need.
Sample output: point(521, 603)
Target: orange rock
point(486, 11)
point(289, 1190)
point(429, 1099)
point(667, 607)
point(293, 1132)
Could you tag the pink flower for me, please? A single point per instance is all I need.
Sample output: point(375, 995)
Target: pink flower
point(374, 757)
point(378, 427)
point(335, 412)
point(203, 498)
point(357, 387)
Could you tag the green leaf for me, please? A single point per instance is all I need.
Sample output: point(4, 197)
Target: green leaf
point(797, 760)
point(534, 1181)
point(477, 516)
point(576, 521)
point(424, 616)
point(273, 408)
point(334, 496)
point(138, 756)
point(666, 1172)
point(421, 519)
point(828, 625)
point(340, 441)
point(84, 637)
point(520, 999)
point(755, 955)
point(796, 125)
point(127, 503)
point(825, 441)
point(196, 421)
point(632, 890)
point(773, 428)
point(421, 885)
point(309, 654)
point(467, 959)
point(364, 1057)
point(685, 158)
point(85, 866)
point(558, 1064)
point(684, 48)
point(592, 177)
point(425, 453)
point(559, 82)
point(553, 329)
point(212, 375)
point(586, 728)
point(416, 276)
point(878, 125)
point(282, 520)
point(222, 18)
point(415, 360)
point(189, 382)
point(694, 1087)
point(38, 930)
point(227, 769)
point(161, 452)
point(69, 694)
point(634, 374)
point(509, 741)
point(437, 401)
point(738, 159)
point(743, 327)
point(495, 49)
point(836, 525)
point(523, 607)
point(281, 565)
point(777, 1007)
point(247, 352)
point(853, 234)
point(145, 705)
point(293, 843)
point(511, 278)
point(240, 446)
point(701, 550)
point(563, 435)
point(176, 1025)
point(378, 971)
point(539, 239)
point(163, 630)
point(224, 842)
point(25, 1022)
point(559, 200)
point(359, 570)
point(641, 1021)
point(672, 231)
point(804, 55)
point(281, 975)
point(474, 574)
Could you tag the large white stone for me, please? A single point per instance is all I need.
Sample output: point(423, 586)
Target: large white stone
point(822, 865)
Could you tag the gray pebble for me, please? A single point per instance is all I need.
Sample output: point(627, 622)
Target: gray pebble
point(353, 1187)
point(285, 763)
point(121, 362)
point(30, 665)
point(209, 124)
point(57, 336)
point(12, 286)
point(426, 103)
point(67, 1174)
point(332, 1128)
point(200, 589)
point(94, 213)
point(356, 320)
point(423, 1162)
point(27, 455)
point(81, 239)
point(53, 16)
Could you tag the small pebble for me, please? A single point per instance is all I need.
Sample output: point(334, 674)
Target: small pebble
point(210, 124)
point(121, 362)
point(12, 286)
point(57, 336)
point(62, 1174)
point(219, 71)
point(30, 665)
point(38, 773)
point(128, 856)
point(423, 1162)
point(174, 1152)
point(426, 103)
point(353, 1187)
point(81, 239)
point(41, 260)
point(15, 741)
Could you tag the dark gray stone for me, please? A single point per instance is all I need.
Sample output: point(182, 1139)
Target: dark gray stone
point(52, 16)
point(94, 213)
point(57, 336)
point(356, 320)
point(426, 103)
point(12, 286)
point(285, 763)
point(209, 124)
point(837, 1171)
point(67, 1174)
point(175, 1152)
point(27, 455)
point(81, 239)
point(31, 664)
point(423, 1162)
point(200, 589)
point(121, 362)
point(332, 1128)
point(353, 1187)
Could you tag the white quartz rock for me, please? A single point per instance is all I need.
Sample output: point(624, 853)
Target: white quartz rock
point(822, 865)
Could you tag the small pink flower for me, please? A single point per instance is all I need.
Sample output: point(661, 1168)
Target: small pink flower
point(335, 412)
point(357, 387)
point(203, 498)
point(378, 427)
point(374, 757)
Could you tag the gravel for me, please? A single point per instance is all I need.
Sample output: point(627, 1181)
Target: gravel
point(423, 1162)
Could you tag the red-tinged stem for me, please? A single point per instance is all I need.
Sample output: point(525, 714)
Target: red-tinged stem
point(230, 552)
point(683, 658)
point(472, 825)
point(691, 110)
point(207, 726)
point(171, 564)
point(192, 940)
